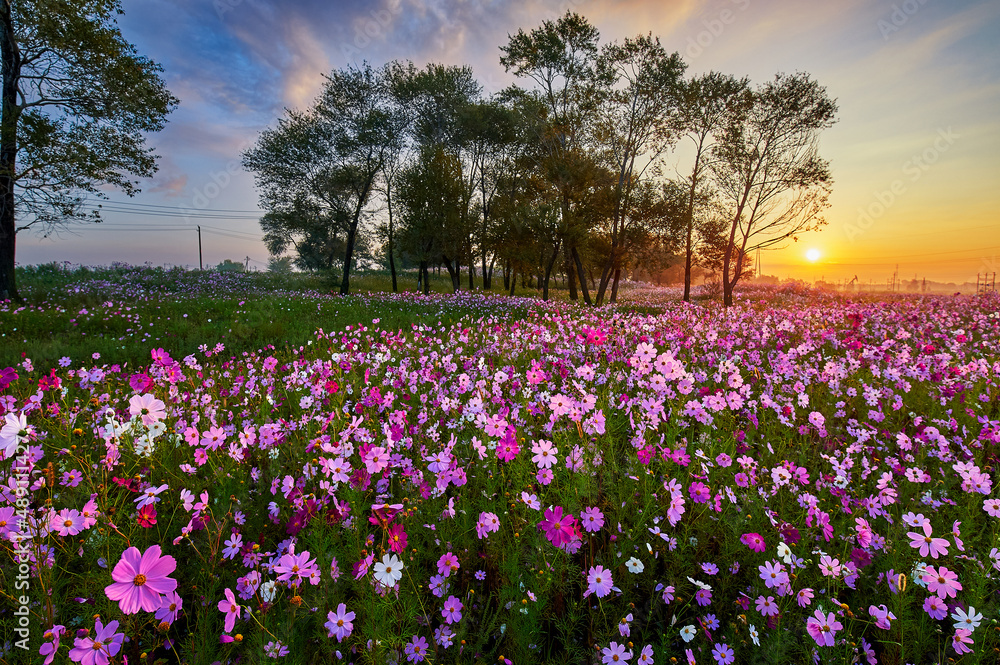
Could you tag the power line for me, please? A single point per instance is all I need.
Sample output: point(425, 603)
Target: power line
point(134, 204)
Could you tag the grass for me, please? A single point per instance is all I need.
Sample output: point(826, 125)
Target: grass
point(121, 312)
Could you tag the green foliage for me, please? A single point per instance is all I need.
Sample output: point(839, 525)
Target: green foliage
point(78, 102)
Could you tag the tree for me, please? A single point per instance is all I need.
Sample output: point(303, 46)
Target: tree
point(767, 168)
point(562, 58)
point(430, 196)
point(280, 265)
point(77, 104)
point(318, 168)
point(705, 101)
point(635, 127)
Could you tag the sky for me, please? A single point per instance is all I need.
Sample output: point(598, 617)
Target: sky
point(915, 151)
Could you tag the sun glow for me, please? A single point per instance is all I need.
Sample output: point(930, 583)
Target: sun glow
point(813, 255)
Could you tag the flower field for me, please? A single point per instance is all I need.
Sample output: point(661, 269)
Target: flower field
point(796, 479)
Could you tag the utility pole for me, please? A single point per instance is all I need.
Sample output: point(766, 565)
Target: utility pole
point(201, 265)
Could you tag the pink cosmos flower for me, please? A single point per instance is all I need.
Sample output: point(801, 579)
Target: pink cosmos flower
point(882, 616)
point(599, 582)
point(699, 492)
point(773, 574)
point(936, 608)
point(339, 623)
point(703, 597)
point(49, 649)
point(488, 523)
point(723, 654)
point(767, 606)
point(447, 564)
point(558, 528)
point(754, 541)
point(141, 579)
point(67, 522)
point(823, 628)
point(293, 568)
point(804, 597)
point(416, 649)
point(615, 653)
point(452, 610)
point(376, 459)
point(97, 650)
point(992, 507)
point(942, 581)
point(150, 409)
point(960, 639)
point(170, 608)
point(646, 655)
point(544, 454)
point(233, 545)
point(927, 544)
point(231, 609)
point(592, 519)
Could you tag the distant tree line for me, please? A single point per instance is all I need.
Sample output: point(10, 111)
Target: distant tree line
point(568, 172)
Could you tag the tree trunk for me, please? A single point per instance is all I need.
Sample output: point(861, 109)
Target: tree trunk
point(548, 270)
point(11, 56)
point(570, 273)
point(352, 233)
point(614, 285)
point(488, 274)
point(392, 259)
point(606, 276)
point(689, 249)
point(425, 275)
point(582, 275)
point(453, 274)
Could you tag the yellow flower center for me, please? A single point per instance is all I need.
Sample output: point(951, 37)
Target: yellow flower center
point(139, 580)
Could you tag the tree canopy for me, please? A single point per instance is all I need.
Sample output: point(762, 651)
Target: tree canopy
point(565, 176)
point(77, 104)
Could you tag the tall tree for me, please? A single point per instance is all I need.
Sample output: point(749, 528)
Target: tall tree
point(562, 58)
point(430, 195)
point(441, 101)
point(327, 159)
point(636, 125)
point(767, 168)
point(77, 104)
point(705, 101)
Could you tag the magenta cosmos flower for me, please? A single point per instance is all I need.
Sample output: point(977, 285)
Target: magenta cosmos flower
point(231, 609)
point(98, 650)
point(754, 541)
point(558, 528)
point(140, 580)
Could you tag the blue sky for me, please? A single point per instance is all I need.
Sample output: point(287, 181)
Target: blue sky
point(915, 152)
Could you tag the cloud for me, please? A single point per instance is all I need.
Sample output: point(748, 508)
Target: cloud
point(169, 179)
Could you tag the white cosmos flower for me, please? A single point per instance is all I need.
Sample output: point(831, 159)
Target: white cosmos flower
point(635, 566)
point(13, 433)
point(688, 633)
point(969, 620)
point(389, 570)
